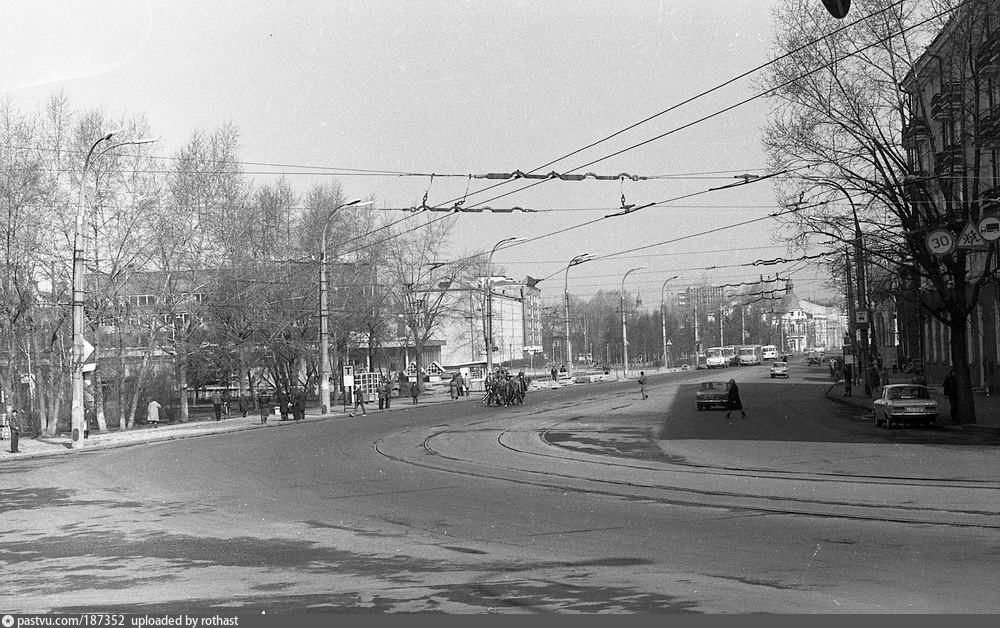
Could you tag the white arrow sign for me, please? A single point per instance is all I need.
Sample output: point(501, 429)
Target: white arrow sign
point(88, 349)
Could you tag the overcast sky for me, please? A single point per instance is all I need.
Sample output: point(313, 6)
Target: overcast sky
point(454, 88)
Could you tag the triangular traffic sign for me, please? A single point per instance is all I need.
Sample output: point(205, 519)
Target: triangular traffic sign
point(970, 238)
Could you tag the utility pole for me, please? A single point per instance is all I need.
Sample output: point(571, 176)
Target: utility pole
point(696, 347)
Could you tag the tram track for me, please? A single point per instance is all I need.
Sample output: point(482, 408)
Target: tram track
point(520, 453)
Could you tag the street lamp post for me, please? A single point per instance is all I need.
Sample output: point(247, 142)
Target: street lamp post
point(324, 315)
point(663, 318)
point(624, 329)
point(579, 259)
point(489, 301)
point(862, 299)
point(77, 409)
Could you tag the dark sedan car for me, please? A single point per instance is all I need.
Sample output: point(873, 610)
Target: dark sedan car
point(712, 394)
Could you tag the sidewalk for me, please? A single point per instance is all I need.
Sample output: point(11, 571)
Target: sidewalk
point(987, 406)
point(143, 434)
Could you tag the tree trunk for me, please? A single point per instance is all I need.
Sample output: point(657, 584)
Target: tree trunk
point(102, 422)
point(960, 363)
point(182, 389)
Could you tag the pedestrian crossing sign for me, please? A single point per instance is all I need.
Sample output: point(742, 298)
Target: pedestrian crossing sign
point(971, 238)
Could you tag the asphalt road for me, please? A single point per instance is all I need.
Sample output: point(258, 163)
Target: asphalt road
point(585, 500)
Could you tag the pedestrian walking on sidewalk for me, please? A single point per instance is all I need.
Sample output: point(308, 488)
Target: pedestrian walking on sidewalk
point(950, 386)
point(264, 405)
point(153, 413)
point(387, 389)
point(642, 384)
point(359, 400)
point(415, 391)
point(735, 403)
point(299, 405)
point(284, 405)
point(217, 405)
point(244, 404)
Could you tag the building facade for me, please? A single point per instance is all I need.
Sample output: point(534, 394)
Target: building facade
point(952, 139)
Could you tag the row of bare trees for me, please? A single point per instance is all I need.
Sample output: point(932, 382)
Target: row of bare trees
point(862, 187)
point(189, 263)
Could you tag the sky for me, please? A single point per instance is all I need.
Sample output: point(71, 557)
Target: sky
point(380, 95)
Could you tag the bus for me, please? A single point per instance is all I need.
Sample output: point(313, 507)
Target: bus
point(769, 352)
point(730, 352)
point(715, 358)
point(750, 355)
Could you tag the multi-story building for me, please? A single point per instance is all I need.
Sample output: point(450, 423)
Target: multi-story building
point(952, 138)
point(517, 325)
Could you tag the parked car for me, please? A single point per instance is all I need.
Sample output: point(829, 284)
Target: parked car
point(905, 403)
point(712, 394)
point(779, 369)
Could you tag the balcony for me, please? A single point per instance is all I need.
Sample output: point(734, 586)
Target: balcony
point(950, 161)
point(914, 131)
point(989, 201)
point(947, 104)
point(988, 56)
point(989, 129)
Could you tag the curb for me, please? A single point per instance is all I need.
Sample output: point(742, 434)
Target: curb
point(176, 431)
point(866, 405)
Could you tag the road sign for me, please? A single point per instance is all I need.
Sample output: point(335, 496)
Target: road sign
point(88, 349)
point(970, 238)
point(940, 241)
point(861, 317)
point(989, 228)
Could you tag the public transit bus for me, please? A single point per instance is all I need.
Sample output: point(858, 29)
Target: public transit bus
point(750, 355)
point(715, 358)
point(769, 352)
point(730, 353)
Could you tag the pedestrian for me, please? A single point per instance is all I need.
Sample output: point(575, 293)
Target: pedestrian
point(735, 403)
point(555, 373)
point(226, 398)
point(453, 387)
point(387, 389)
point(299, 405)
point(414, 391)
point(642, 384)
point(244, 404)
point(950, 386)
point(359, 399)
point(283, 405)
point(380, 389)
point(264, 405)
point(153, 413)
point(848, 376)
point(217, 404)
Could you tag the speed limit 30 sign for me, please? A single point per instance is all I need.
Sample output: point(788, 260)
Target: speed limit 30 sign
point(941, 242)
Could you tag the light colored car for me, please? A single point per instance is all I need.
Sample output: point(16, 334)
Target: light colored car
point(712, 394)
point(779, 369)
point(905, 403)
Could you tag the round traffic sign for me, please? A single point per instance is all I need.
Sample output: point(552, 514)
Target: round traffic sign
point(941, 241)
point(989, 228)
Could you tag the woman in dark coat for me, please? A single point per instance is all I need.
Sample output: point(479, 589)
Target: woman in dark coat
point(735, 403)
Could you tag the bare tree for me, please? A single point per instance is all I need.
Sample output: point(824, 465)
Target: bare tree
point(839, 120)
point(419, 282)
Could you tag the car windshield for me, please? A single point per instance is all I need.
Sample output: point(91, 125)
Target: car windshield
point(714, 385)
point(909, 392)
